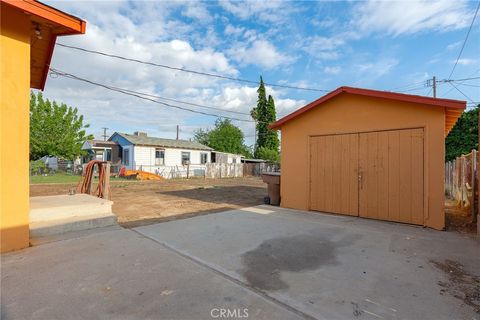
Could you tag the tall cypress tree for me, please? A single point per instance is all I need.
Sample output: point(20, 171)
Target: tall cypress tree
point(264, 113)
point(271, 136)
point(258, 114)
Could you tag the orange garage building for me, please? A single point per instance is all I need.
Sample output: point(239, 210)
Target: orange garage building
point(368, 153)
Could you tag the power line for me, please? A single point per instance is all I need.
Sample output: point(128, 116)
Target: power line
point(468, 85)
point(465, 41)
point(464, 79)
point(408, 85)
point(415, 85)
point(413, 89)
point(470, 99)
point(189, 70)
point(140, 95)
point(181, 101)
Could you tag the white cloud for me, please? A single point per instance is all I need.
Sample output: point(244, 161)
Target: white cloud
point(261, 53)
point(406, 17)
point(326, 22)
point(262, 11)
point(323, 48)
point(233, 31)
point(465, 61)
point(196, 10)
point(369, 72)
point(454, 45)
point(332, 70)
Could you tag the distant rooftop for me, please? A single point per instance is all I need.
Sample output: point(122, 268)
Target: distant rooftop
point(93, 142)
point(140, 138)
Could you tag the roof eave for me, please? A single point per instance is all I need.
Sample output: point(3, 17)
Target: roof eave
point(74, 24)
point(445, 103)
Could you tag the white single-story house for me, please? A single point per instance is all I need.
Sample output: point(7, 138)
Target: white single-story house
point(141, 152)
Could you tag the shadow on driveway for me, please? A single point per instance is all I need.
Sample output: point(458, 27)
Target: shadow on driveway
point(233, 195)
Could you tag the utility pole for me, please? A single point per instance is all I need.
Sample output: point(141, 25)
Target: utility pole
point(104, 135)
point(433, 83)
point(178, 130)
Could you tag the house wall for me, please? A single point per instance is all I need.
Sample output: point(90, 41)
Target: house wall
point(223, 157)
point(14, 128)
point(116, 156)
point(124, 144)
point(349, 113)
point(145, 157)
point(131, 156)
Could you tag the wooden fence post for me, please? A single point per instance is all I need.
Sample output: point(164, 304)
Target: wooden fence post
point(474, 204)
point(106, 185)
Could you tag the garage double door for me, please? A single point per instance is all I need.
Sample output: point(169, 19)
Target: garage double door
point(378, 175)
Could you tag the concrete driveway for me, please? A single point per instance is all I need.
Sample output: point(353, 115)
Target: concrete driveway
point(276, 263)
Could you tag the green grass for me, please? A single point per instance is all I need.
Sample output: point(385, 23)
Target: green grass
point(63, 178)
point(55, 178)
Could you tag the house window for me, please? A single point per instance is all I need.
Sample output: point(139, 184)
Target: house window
point(108, 155)
point(126, 156)
point(203, 158)
point(159, 157)
point(99, 155)
point(185, 157)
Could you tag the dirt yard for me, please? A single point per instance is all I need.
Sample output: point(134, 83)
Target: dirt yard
point(147, 202)
point(457, 219)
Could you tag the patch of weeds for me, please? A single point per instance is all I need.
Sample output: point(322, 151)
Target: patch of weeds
point(461, 284)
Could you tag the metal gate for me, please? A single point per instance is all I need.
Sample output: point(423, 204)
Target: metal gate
point(378, 175)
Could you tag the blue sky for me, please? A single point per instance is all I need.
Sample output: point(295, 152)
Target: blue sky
point(372, 44)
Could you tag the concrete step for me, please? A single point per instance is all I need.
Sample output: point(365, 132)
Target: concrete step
point(65, 206)
point(77, 223)
point(55, 215)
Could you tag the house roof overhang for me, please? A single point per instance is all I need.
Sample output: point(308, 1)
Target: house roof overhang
point(453, 108)
point(51, 23)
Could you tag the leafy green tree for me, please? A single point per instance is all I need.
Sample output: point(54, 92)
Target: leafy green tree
point(264, 114)
point(268, 154)
point(201, 136)
point(225, 137)
point(55, 130)
point(464, 135)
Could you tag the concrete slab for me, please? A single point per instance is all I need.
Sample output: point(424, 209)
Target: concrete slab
point(66, 206)
point(335, 267)
point(120, 274)
point(52, 215)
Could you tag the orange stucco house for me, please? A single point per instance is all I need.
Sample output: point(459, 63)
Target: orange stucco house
point(28, 31)
point(368, 153)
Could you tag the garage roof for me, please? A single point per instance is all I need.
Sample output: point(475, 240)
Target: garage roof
point(50, 22)
point(453, 108)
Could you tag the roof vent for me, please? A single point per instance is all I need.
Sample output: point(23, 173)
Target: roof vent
point(140, 134)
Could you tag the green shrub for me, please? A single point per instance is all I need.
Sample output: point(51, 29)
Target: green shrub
point(268, 154)
point(38, 167)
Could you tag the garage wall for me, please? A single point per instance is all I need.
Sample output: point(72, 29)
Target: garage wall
point(349, 113)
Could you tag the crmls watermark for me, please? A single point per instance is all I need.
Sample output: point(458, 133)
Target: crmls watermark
point(226, 313)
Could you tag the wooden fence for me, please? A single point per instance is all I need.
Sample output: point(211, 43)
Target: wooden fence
point(208, 170)
point(461, 182)
point(256, 169)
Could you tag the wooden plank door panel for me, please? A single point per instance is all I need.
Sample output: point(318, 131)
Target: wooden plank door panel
point(391, 166)
point(333, 174)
